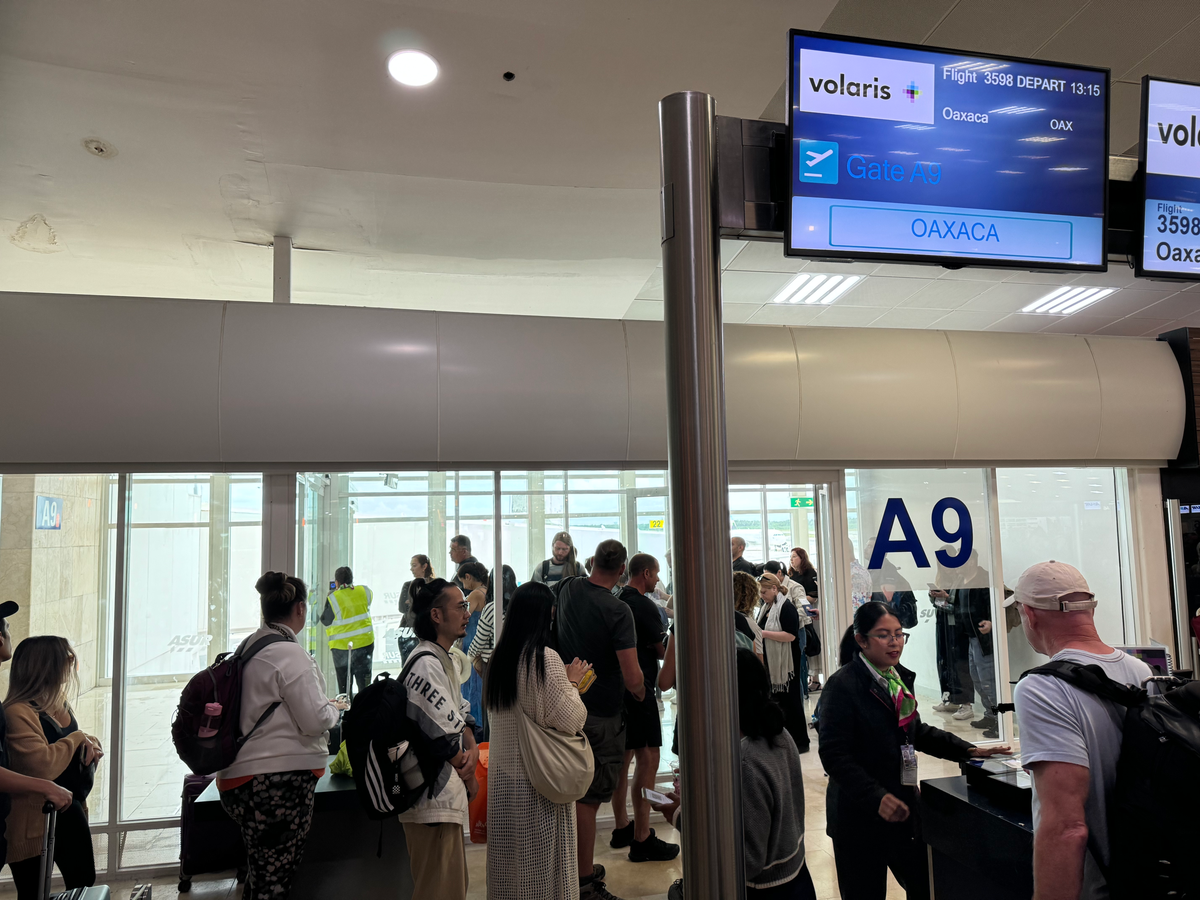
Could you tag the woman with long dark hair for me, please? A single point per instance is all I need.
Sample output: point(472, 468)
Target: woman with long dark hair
point(870, 734)
point(44, 741)
point(531, 852)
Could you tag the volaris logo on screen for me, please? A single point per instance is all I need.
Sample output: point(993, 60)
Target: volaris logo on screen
point(1172, 143)
point(868, 87)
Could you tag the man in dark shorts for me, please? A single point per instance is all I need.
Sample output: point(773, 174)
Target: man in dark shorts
point(596, 626)
point(643, 728)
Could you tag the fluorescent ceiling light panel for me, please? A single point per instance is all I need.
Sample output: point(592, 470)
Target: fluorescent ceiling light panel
point(812, 289)
point(830, 283)
point(1066, 300)
point(848, 283)
point(790, 288)
point(813, 283)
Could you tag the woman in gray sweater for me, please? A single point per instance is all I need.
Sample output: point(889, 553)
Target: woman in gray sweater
point(772, 793)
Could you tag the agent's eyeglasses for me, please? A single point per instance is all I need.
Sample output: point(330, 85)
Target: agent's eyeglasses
point(898, 638)
point(457, 607)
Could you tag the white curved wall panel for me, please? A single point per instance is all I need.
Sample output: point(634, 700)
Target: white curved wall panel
point(90, 381)
point(876, 394)
point(762, 393)
point(529, 390)
point(95, 380)
point(322, 382)
point(644, 342)
point(1131, 414)
point(1025, 396)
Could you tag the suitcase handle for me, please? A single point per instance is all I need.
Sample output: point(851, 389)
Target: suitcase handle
point(46, 870)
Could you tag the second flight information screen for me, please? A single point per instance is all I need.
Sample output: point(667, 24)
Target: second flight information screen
point(907, 153)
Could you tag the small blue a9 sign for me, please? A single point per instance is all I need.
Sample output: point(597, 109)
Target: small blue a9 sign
point(896, 513)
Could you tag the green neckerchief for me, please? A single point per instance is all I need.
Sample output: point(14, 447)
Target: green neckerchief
point(906, 703)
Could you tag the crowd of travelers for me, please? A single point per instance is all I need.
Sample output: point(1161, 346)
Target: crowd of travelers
point(588, 648)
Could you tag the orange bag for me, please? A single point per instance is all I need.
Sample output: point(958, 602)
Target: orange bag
point(478, 807)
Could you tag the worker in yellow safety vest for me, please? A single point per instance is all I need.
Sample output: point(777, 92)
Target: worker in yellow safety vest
point(347, 621)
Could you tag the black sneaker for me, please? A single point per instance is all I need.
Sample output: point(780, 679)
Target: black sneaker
point(987, 722)
point(991, 733)
point(594, 889)
point(652, 849)
point(622, 837)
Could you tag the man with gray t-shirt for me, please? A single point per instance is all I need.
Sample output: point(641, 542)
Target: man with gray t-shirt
point(1070, 739)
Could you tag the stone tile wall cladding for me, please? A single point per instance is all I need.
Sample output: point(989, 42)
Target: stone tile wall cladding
point(55, 575)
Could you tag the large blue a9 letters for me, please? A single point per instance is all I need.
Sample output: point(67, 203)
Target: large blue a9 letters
point(895, 512)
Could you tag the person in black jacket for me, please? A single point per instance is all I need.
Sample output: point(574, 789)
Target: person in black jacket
point(868, 716)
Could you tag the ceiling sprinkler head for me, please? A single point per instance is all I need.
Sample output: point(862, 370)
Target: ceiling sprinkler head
point(100, 148)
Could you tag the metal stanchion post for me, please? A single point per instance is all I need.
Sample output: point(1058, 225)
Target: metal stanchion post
point(708, 732)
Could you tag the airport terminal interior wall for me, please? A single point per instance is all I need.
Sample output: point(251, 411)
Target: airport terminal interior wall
point(207, 384)
point(55, 575)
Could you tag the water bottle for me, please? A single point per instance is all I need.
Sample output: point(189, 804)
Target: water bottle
point(212, 718)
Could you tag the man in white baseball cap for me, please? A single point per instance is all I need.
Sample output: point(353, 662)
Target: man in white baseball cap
point(1070, 739)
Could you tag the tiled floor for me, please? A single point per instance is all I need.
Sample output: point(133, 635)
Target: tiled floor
point(154, 775)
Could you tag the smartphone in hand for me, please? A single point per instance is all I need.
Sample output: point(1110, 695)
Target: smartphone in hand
point(655, 797)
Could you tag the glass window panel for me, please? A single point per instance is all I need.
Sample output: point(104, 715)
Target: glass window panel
point(950, 651)
point(155, 847)
point(1071, 515)
point(56, 547)
point(376, 523)
point(189, 596)
point(594, 481)
point(171, 499)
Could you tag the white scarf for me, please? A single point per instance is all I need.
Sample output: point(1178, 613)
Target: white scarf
point(779, 654)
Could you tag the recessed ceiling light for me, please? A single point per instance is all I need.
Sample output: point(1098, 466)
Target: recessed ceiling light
point(1066, 300)
point(414, 68)
point(812, 289)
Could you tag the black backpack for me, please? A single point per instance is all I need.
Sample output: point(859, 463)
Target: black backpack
point(1153, 828)
point(383, 743)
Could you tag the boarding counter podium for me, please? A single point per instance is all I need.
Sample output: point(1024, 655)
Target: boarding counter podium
point(980, 846)
point(341, 858)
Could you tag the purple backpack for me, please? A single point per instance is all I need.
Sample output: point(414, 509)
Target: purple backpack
point(219, 683)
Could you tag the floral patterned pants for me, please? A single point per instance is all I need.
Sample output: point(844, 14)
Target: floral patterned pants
point(274, 812)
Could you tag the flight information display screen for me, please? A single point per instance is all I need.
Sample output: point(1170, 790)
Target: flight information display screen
point(1170, 157)
point(907, 153)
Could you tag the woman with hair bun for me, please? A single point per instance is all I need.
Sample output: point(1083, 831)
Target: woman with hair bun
point(268, 790)
point(870, 734)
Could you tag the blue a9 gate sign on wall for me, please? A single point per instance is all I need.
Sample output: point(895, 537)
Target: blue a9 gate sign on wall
point(895, 513)
point(48, 514)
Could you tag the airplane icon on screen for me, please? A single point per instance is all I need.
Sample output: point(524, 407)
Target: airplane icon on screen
point(820, 161)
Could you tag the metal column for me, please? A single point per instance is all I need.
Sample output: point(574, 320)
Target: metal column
point(696, 453)
point(281, 282)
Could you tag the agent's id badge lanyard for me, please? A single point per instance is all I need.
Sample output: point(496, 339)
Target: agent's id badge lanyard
point(908, 767)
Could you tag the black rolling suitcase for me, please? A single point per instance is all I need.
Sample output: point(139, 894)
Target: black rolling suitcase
point(46, 871)
point(206, 846)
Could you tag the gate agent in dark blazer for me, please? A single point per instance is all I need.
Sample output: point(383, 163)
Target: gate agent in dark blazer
point(869, 725)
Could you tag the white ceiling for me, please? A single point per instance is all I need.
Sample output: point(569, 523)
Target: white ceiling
point(900, 296)
point(235, 121)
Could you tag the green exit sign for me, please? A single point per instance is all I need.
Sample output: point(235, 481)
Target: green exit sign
point(802, 502)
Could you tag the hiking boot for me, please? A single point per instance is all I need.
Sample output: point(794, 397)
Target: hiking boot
point(964, 712)
point(986, 723)
point(946, 706)
point(652, 849)
point(622, 837)
point(593, 888)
